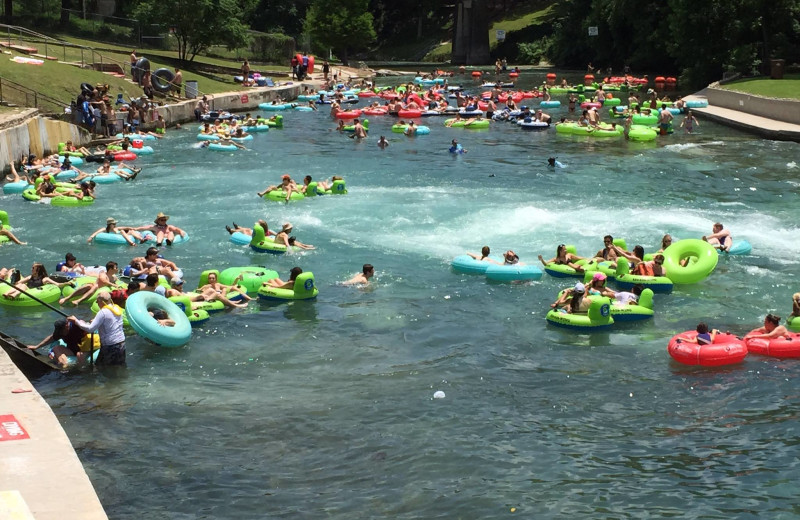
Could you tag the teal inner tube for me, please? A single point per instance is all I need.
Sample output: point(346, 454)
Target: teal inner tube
point(138, 305)
point(702, 260)
point(15, 187)
point(468, 265)
point(219, 147)
point(304, 289)
point(513, 273)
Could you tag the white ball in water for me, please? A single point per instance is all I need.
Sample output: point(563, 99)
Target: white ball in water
point(438, 394)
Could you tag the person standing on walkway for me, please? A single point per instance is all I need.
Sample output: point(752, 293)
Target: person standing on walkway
point(108, 323)
point(177, 83)
point(134, 59)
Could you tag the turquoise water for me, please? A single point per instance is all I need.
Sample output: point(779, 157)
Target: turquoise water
point(326, 409)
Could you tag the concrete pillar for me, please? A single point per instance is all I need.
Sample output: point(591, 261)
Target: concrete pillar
point(470, 33)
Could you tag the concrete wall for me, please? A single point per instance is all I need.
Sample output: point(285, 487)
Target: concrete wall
point(37, 135)
point(779, 110)
point(30, 133)
point(234, 102)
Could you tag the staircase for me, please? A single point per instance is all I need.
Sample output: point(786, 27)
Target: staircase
point(46, 47)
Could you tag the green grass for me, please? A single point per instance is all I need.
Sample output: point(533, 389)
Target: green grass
point(518, 22)
point(531, 13)
point(786, 88)
point(59, 81)
point(125, 50)
point(207, 83)
point(440, 53)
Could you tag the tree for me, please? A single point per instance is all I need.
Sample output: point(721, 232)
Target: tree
point(343, 26)
point(65, 7)
point(197, 24)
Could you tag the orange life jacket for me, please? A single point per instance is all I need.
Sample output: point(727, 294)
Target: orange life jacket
point(644, 269)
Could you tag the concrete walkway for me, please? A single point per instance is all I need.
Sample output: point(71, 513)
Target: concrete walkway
point(763, 126)
point(40, 475)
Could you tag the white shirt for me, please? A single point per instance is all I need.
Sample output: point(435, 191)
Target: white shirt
point(108, 325)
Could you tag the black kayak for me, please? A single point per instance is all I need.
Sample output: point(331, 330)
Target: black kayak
point(31, 363)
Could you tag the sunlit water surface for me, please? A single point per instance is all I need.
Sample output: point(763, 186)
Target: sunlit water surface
point(326, 409)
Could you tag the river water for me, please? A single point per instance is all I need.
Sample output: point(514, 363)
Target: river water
point(326, 408)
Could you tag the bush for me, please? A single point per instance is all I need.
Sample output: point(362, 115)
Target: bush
point(533, 52)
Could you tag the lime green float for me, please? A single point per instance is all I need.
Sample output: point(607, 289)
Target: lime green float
point(252, 277)
point(265, 244)
point(625, 280)
point(462, 123)
point(597, 318)
point(603, 130)
point(196, 317)
point(4, 224)
point(47, 293)
point(701, 258)
point(642, 133)
point(304, 289)
point(641, 311)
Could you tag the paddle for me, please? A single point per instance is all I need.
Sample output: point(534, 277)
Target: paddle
point(34, 298)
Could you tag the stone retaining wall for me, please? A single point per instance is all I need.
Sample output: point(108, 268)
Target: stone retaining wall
point(37, 135)
point(40, 136)
point(777, 109)
point(233, 101)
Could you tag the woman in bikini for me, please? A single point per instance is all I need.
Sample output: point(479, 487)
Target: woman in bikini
point(36, 279)
point(563, 257)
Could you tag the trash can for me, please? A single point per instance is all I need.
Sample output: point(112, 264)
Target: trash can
point(776, 68)
point(191, 89)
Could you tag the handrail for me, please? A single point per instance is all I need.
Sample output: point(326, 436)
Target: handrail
point(36, 37)
point(124, 65)
point(31, 98)
point(38, 94)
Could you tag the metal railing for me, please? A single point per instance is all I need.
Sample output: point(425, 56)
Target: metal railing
point(16, 94)
point(15, 35)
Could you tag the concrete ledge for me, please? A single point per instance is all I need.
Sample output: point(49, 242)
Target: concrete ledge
point(183, 112)
point(766, 127)
point(42, 473)
point(778, 109)
point(37, 135)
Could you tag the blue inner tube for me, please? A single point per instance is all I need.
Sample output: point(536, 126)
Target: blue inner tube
point(240, 239)
point(222, 147)
point(740, 247)
point(513, 273)
point(468, 265)
point(137, 307)
point(15, 187)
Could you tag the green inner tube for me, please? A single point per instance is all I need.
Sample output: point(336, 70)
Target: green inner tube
point(252, 277)
point(48, 293)
point(703, 258)
point(304, 289)
point(280, 195)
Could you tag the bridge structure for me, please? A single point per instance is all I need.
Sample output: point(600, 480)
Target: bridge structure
point(470, 33)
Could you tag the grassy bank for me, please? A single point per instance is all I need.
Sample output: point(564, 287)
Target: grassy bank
point(786, 88)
